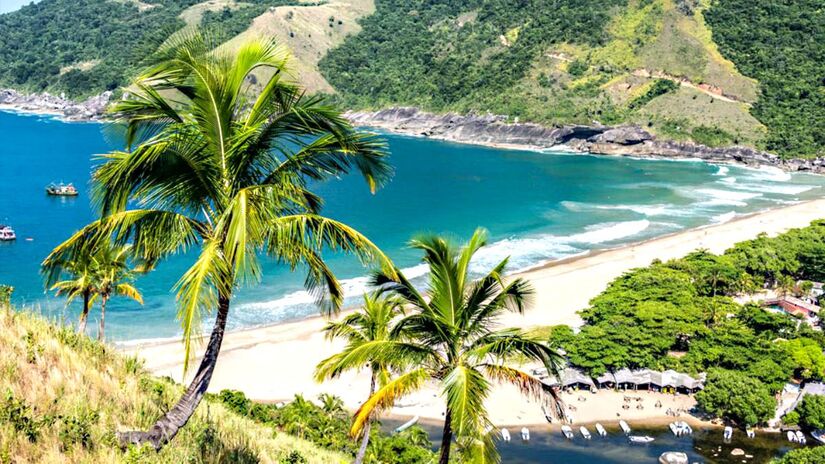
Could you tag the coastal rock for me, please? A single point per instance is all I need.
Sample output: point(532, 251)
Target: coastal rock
point(91, 109)
point(597, 139)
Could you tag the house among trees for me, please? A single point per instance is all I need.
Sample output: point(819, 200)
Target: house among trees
point(668, 381)
point(794, 306)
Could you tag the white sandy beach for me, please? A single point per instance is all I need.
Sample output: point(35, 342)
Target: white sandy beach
point(275, 363)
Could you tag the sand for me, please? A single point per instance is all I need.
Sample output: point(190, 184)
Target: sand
point(275, 363)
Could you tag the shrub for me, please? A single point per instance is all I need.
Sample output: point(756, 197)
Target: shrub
point(811, 412)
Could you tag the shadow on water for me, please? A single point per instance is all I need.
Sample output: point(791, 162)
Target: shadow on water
point(547, 445)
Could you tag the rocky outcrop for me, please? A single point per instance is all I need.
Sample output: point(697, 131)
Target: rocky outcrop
point(88, 110)
point(597, 139)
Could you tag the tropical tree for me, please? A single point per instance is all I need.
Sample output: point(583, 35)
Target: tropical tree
point(5, 295)
point(73, 276)
point(373, 322)
point(112, 276)
point(213, 168)
point(451, 336)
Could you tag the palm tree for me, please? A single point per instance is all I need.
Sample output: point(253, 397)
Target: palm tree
point(212, 168)
point(112, 276)
point(372, 323)
point(79, 281)
point(451, 337)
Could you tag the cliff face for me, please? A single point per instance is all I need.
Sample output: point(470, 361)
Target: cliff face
point(604, 140)
point(90, 109)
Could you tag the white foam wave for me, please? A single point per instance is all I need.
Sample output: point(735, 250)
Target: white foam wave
point(608, 232)
point(723, 171)
point(769, 173)
point(724, 217)
point(646, 210)
point(715, 197)
point(779, 189)
point(728, 180)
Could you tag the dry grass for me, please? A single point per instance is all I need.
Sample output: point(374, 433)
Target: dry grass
point(63, 397)
point(192, 16)
point(309, 33)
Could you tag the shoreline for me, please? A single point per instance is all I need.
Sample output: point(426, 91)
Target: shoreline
point(563, 287)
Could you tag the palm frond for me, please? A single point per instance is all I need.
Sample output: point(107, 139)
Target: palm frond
point(386, 397)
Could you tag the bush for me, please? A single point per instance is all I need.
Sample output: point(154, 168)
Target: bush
point(577, 68)
point(736, 396)
point(711, 136)
point(803, 456)
point(657, 89)
point(812, 412)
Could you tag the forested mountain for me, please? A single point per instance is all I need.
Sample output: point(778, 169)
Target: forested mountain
point(718, 72)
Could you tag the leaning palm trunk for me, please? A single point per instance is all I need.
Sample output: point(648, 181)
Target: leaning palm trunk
point(446, 438)
point(362, 451)
point(101, 335)
point(168, 426)
point(84, 316)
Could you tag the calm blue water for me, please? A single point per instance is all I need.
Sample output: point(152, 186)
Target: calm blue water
point(537, 206)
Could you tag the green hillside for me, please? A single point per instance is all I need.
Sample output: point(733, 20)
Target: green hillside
point(63, 397)
point(748, 71)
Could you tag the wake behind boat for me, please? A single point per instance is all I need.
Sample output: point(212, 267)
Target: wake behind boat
point(61, 190)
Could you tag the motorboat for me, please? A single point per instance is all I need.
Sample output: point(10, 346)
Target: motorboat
point(674, 428)
point(61, 190)
point(673, 457)
point(505, 434)
point(567, 432)
point(791, 436)
point(7, 233)
point(600, 430)
point(750, 433)
point(625, 427)
point(685, 427)
point(525, 434)
point(819, 435)
point(585, 433)
point(800, 437)
point(640, 439)
point(728, 433)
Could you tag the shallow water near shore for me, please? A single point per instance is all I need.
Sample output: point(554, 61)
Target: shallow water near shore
point(548, 446)
point(537, 207)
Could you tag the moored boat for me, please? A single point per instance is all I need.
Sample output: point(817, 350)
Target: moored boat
point(800, 437)
point(525, 434)
point(728, 433)
point(791, 436)
point(505, 434)
point(61, 190)
point(585, 433)
point(601, 430)
point(7, 233)
point(567, 432)
point(640, 438)
point(625, 427)
point(819, 435)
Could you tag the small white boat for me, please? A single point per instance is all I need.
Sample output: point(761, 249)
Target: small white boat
point(673, 457)
point(750, 433)
point(601, 431)
point(585, 433)
point(505, 434)
point(7, 233)
point(640, 439)
point(567, 432)
point(407, 424)
point(525, 434)
point(728, 433)
point(61, 190)
point(819, 435)
point(800, 437)
point(625, 427)
point(685, 427)
point(791, 436)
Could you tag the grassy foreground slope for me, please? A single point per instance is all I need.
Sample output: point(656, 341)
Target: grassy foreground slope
point(62, 398)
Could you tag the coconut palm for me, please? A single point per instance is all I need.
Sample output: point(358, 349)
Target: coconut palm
point(112, 276)
point(73, 277)
point(452, 337)
point(214, 169)
point(373, 322)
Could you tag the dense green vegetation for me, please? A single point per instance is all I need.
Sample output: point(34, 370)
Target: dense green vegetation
point(327, 425)
point(83, 47)
point(782, 44)
point(736, 396)
point(811, 412)
point(803, 456)
point(680, 315)
point(456, 54)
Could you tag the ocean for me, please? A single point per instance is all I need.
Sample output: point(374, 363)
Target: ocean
point(537, 206)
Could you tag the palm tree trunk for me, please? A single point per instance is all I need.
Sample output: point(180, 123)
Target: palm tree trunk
point(100, 332)
point(362, 451)
point(81, 325)
point(446, 438)
point(168, 426)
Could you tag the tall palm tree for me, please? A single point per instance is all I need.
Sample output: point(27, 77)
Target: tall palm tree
point(373, 322)
point(212, 168)
point(112, 276)
point(73, 277)
point(452, 337)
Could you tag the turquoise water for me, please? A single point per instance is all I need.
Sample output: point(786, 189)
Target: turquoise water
point(537, 206)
